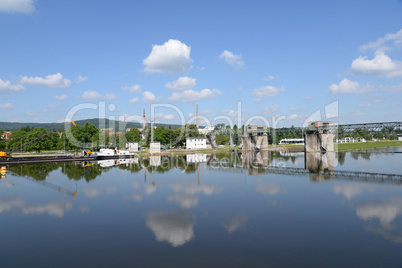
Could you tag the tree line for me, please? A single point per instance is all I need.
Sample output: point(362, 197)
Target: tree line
point(89, 136)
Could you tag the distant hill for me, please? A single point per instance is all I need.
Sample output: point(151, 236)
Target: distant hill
point(111, 125)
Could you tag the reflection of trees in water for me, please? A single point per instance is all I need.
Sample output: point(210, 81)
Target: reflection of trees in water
point(77, 172)
point(354, 155)
point(166, 164)
point(365, 155)
point(341, 158)
point(38, 172)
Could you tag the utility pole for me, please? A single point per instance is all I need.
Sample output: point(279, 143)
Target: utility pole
point(21, 145)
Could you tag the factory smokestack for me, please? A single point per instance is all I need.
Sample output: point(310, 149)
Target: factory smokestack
point(197, 118)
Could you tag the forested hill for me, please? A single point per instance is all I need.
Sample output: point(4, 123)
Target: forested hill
point(111, 125)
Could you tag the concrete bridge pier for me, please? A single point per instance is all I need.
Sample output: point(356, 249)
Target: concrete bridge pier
point(319, 137)
point(255, 138)
point(318, 142)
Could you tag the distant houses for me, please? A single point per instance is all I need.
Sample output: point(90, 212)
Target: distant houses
point(5, 135)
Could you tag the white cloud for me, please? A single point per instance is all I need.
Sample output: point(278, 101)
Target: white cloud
point(271, 110)
point(132, 89)
point(175, 228)
point(269, 78)
point(148, 97)
point(169, 117)
point(89, 95)
point(61, 97)
point(345, 86)
point(308, 98)
point(351, 190)
point(292, 117)
point(182, 83)
point(230, 113)
point(81, 79)
point(110, 96)
point(292, 108)
point(396, 38)
point(133, 196)
point(236, 222)
point(172, 57)
point(190, 95)
point(95, 191)
point(134, 100)
point(20, 6)
point(54, 81)
point(92, 192)
point(54, 209)
point(232, 59)
point(381, 64)
point(386, 212)
point(358, 113)
point(364, 105)
point(6, 86)
point(267, 91)
point(268, 187)
point(193, 188)
point(6, 105)
point(29, 113)
point(184, 200)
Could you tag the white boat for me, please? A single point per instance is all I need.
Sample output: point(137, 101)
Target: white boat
point(112, 152)
point(105, 152)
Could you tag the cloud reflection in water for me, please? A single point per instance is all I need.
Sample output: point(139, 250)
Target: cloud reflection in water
point(175, 227)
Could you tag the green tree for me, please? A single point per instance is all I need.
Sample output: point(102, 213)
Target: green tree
point(222, 139)
point(161, 134)
point(219, 126)
point(134, 135)
point(16, 138)
point(39, 139)
point(236, 135)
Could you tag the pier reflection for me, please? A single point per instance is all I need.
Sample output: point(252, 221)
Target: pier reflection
point(320, 165)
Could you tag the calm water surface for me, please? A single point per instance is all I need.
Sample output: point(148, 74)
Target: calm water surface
point(201, 211)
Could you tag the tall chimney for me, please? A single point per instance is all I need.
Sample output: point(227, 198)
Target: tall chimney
point(143, 126)
point(197, 118)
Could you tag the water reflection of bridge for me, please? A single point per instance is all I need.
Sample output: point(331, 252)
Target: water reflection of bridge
point(319, 167)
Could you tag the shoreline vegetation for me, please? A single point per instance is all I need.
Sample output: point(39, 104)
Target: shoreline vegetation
point(342, 147)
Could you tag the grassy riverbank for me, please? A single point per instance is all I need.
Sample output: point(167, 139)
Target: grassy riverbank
point(366, 145)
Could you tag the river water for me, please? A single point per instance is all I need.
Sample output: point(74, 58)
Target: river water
point(203, 211)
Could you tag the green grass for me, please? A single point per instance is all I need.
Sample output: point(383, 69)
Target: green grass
point(366, 145)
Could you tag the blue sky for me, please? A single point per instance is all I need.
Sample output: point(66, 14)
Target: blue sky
point(279, 58)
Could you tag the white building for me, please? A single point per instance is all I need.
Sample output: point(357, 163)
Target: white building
point(350, 139)
point(196, 143)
